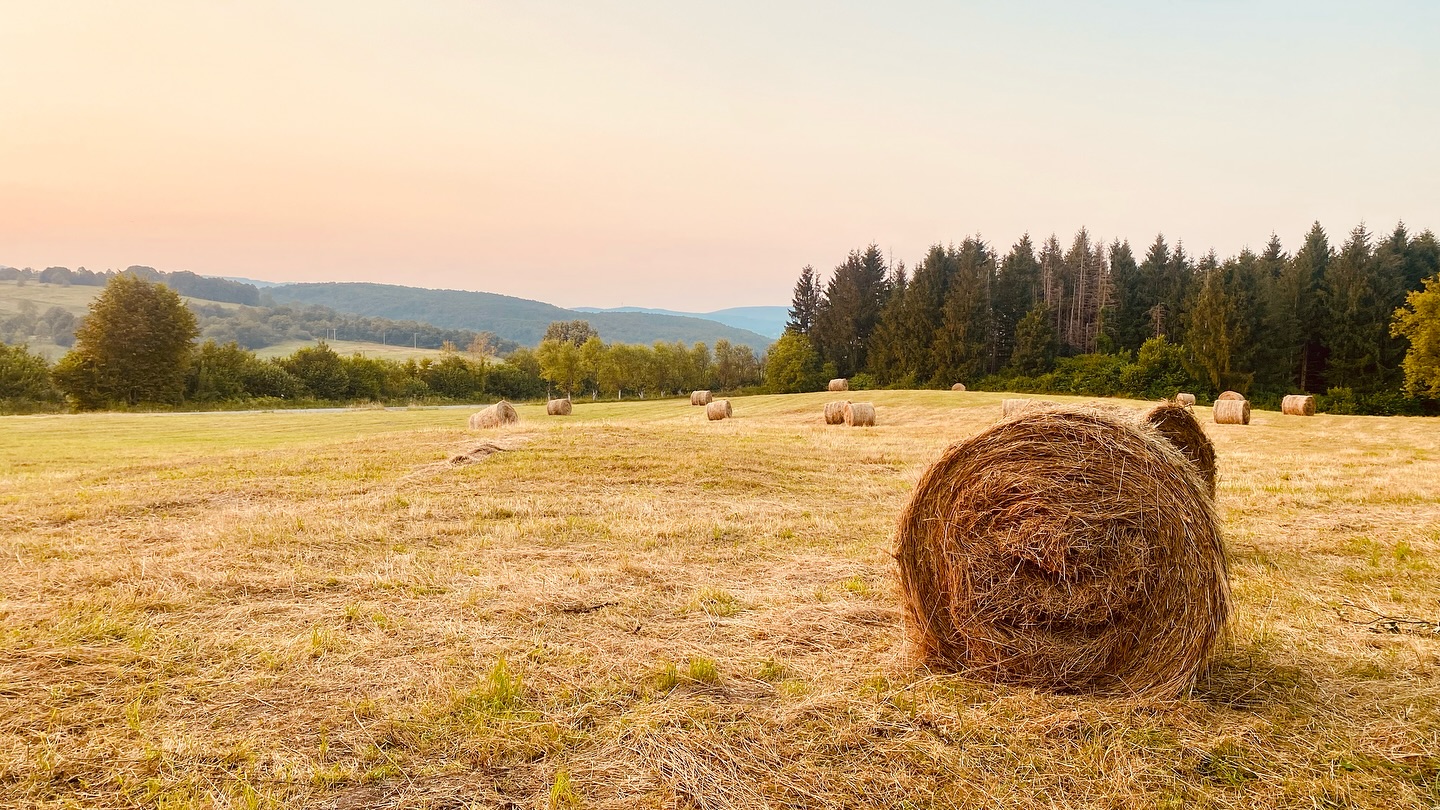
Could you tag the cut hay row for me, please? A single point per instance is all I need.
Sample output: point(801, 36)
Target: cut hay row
point(835, 412)
point(501, 413)
point(718, 409)
point(1298, 405)
point(860, 414)
point(1119, 586)
point(838, 385)
point(557, 407)
point(700, 398)
point(1232, 412)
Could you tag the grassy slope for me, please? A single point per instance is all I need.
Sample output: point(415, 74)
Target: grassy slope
point(349, 347)
point(266, 609)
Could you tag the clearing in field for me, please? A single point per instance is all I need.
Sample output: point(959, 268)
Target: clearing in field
point(634, 606)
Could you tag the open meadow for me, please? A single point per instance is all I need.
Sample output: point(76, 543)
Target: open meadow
point(634, 607)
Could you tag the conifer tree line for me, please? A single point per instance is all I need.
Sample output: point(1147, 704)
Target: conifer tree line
point(1106, 319)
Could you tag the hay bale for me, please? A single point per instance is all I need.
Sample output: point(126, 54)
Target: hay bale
point(1188, 400)
point(835, 412)
point(1069, 550)
point(1232, 412)
point(1230, 396)
point(860, 414)
point(557, 407)
point(838, 385)
point(501, 413)
point(1298, 405)
point(1014, 407)
point(958, 387)
point(1174, 421)
point(700, 398)
point(718, 409)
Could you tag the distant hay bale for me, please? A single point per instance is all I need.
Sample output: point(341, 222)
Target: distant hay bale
point(557, 407)
point(1069, 550)
point(859, 414)
point(839, 385)
point(1298, 405)
point(1230, 395)
point(1188, 400)
point(501, 413)
point(1013, 407)
point(1232, 412)
point(718, 409)
point(835, 412)
point(958, 387)
point(700, 398)
point(1179, 426)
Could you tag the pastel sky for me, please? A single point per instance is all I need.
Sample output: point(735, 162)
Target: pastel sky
point(692, 155)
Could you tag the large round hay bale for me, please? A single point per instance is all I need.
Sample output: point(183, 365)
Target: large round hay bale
point(1179, 426)
point(838, 385)
point(958, 387)
point(835, 412)
point(1230, 396)
point(718, 409)
point(860, 414)
point(501, 413)
point(557, 407)
point(1067, 550)
point(1232, 412)
point(700, 398)
point(1298, 405)
point(1188, 400)
point(1013, 407)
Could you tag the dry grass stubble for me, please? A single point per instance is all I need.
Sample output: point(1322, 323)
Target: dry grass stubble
point(577, 620)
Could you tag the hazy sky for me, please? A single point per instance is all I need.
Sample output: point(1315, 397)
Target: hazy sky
point(692, 155)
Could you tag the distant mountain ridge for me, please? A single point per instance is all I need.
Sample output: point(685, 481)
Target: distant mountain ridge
point(767, 321)
point(519, 319)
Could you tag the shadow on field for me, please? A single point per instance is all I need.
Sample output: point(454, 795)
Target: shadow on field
point(1249, 678)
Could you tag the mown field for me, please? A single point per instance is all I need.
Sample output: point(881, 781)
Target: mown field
point(632, 607)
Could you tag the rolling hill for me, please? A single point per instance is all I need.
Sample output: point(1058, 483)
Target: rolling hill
point(517, 319)
point(767, 321)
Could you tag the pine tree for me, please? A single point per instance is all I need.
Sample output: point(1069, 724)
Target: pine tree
point(1307, 270)
point(850, 309)
point(1351, 331)
point(1150, 280)
point(963, 344)
point(886, 342)
point(1128, 323)
point(1034, 343)
point(921, 315)
point(1209, 339)
point(804, 303)
point(1277, 364)
point(1017, 292)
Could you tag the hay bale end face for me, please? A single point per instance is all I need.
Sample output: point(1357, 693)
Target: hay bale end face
point(501, 413)
point(860, 414)
point(838, 385)
point(1068, 550)
point(1232, 412)
point(557, 407)
point(1298, 405)
point(1179, 427)
point(835, 412)
point(958, 387)
point(1014, 407)
point(700, 398)
point(718, 409)
point(1187, 400)
point(1230, 396)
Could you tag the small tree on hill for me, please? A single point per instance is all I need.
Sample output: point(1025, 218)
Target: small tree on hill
point(134, 346)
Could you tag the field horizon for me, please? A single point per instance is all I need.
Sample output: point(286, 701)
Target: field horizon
point(635, 607)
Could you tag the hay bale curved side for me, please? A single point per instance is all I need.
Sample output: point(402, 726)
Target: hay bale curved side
point(1298, 405)
point(1232, 412)
point(958, 387)
point(1188, 400)
point(501, 413)
point(1014, 407)
point(1230, 396)
point(835, 412)
point(557, 407)
point(718, 409)
point(700, 398)
point(1177, 425)
point(838, 385)
point(860, 414)
point(1065, 550)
